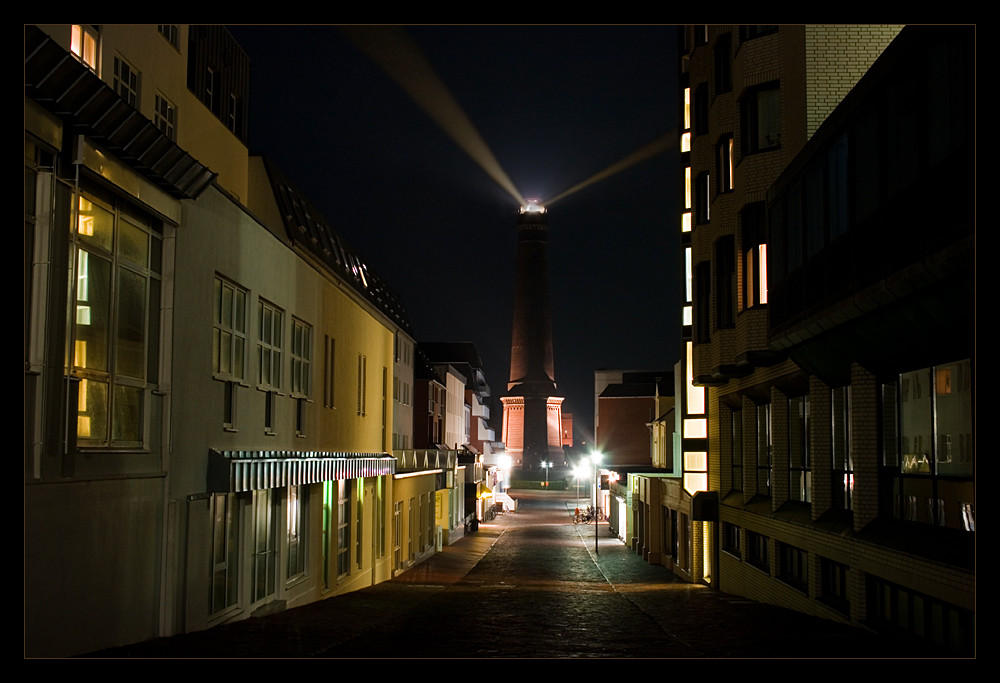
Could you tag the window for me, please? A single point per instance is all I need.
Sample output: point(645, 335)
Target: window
point(894, 609)
point(724, 164)
point(936, 446)
point(362, 384)
point(126, 82)
point(799, 468)
point(210, 96)
point(225, 551)
point(359, 501)
point(264, 569)
point(760, 119)
point(843, 464)
point(269, 342)
point(329, 348)
point(170, 33)
point(116, 256)
point(229, 330)
point(757, 554)
point(295, 538)
point(702, 198)
point(702, 301)
point(301, 355)
point(344, 529)
point(165, 117)
point(833, 578)
point(793, 566)
point(731, 539)
point(736, 448)
point(723, 64)
point(754, 237)
point(84, 44)
point(725, 281)
point(380, 512)
point(701, 109)
point(751, 31)
point(764, 449)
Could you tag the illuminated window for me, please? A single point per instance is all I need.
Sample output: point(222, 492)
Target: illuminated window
point(931, 426)
point(84, 43)
point(695, 395)
point(165, 117)
point(126, 82)
point(724, 164)
point(760, 119)
point(687, 108)
point(687, 187)
point(117, 285)
point(754, 255)
point(799, 467)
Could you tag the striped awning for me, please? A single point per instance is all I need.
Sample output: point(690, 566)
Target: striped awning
point(237, 471)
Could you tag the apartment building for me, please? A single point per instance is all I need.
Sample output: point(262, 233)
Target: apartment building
point(829, 319)
point(209, 367)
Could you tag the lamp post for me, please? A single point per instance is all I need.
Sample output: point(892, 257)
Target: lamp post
point(546, 464)
point(595, 457)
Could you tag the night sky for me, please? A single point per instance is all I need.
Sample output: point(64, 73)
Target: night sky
point(555, 105)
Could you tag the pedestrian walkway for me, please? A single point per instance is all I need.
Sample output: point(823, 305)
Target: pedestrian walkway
point(530, 584)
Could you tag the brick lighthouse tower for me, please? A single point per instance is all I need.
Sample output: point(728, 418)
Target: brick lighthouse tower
point(532, 412)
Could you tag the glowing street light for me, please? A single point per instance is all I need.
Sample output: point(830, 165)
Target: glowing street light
point(546, 465)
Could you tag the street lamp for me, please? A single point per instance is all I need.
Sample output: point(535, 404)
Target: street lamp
point(595, 457)
point(579, 472)
point(546, 465)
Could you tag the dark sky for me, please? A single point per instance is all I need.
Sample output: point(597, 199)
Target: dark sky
point(555, 105)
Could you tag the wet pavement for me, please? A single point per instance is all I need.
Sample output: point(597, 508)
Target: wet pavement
point(530, 585)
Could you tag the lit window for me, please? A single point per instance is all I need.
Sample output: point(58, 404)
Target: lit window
point(117, 284)
point(83, 44)
point(687, 108)
point(724, 163)
point(754, 255)
point(687, 187)
point(295, 531)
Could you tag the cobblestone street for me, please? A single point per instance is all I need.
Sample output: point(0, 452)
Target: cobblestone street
point(530, 585)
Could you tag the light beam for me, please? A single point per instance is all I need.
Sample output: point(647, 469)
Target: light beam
point(657, 146)
point(402, 59)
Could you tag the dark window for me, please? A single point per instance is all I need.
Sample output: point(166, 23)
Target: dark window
point(702, 299)
point(799, 467)
point(751, 31)
point(833, 577)
point(701, 109)
point(725, 281)
point(763, 455)
point(793, 566)
point(760, 119)
point(757, 554)
point(702, 198)
point(723, 64)
point(731, 539)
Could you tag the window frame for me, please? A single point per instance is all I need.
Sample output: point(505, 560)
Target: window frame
point(757, 110)
point(127, 81)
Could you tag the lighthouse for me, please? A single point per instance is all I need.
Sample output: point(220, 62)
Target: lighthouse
point(532, 410)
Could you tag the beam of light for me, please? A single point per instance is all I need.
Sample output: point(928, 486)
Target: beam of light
point(401, 58)
point(657, 146)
